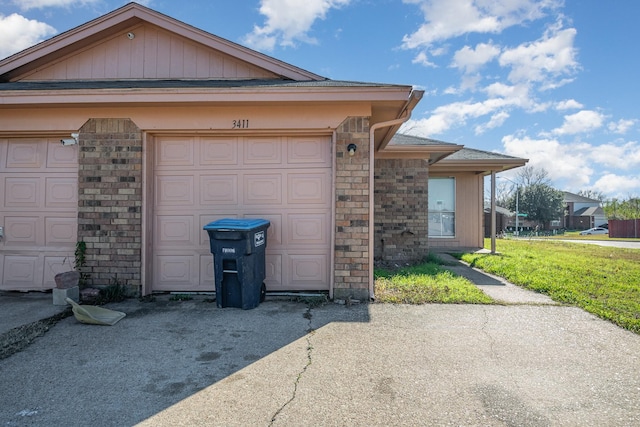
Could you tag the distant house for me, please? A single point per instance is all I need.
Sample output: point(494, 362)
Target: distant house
point(504, 219)
point(581, 213)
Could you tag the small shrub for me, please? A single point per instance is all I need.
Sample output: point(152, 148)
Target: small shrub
point(115, 292)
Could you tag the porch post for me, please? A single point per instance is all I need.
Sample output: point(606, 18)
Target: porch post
point(493, 212)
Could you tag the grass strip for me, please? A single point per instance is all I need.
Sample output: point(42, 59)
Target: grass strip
point(603, 281)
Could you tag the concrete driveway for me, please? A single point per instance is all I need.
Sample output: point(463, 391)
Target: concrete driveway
point(189, 363)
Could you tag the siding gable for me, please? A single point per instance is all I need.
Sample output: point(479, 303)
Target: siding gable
point(152, 53)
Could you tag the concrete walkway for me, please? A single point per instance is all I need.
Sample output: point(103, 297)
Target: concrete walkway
point(494, 286)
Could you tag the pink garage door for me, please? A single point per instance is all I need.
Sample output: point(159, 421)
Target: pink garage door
point(199, 179)
point(38, 211)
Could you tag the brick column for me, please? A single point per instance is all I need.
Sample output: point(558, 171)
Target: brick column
point(351, 275)
point(110, 201)
point(401, 209)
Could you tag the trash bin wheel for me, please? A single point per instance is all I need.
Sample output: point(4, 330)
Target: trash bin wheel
point(263, 292)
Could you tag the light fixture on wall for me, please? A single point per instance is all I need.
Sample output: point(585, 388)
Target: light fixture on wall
point(70, 141)
point(131, 36)
point(352, 149)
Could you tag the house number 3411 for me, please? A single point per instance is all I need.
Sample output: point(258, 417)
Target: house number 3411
point(240, 124)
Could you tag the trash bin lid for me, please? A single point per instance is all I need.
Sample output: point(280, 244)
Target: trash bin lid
point(237, 224)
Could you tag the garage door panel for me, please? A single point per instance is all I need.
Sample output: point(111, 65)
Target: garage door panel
point(309, 151)
point(175, 152)
point(273, 271)
point(207, 275)
point(175, 191)
point(21, 231)
point(219, 189)
point(262, 151)
point(308, 188)
point(219, 151)
point(61, 193)
point(25, 153)
point(62, 156)
point(21, 272)
point(308, 270)
point(176, 272)
point(22, 192)
point(60, 231)
point(264, 189)
point(308, 229)
point(175, 231)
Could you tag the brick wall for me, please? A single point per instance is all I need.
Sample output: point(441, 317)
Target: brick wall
point(401, 205)
point(352, 211)
point(110, 201)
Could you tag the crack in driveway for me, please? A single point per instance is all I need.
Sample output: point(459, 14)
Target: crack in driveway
point(310, 332)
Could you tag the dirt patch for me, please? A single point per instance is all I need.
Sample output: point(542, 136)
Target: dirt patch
point(17, 339)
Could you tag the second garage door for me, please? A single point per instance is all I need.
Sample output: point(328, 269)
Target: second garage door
point(284, 179)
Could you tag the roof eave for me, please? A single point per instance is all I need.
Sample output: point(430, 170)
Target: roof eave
point(433, 153)
point(198, 95)
point(484, 167)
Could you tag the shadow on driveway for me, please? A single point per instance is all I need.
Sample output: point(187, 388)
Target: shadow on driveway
point(161, 353)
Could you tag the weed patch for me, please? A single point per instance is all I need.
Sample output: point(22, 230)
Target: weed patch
point(426, 283)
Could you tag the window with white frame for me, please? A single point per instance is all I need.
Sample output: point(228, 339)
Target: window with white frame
point(442, 207)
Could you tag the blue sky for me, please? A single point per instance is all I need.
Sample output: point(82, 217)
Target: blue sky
point(554, 81)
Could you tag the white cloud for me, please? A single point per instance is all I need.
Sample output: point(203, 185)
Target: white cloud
point(621, 126)
point(288, 22)
point(41, 4)
point(551, 56)
point(445, 19)
point(501, 99)
point(619, 186)
point(470, 60)
point(18, 33)
point(423, 59)
point(564, 162)
point(580, 122)
point(457, 114)
point(568, 104)
point(617, 154)
point(496, 120)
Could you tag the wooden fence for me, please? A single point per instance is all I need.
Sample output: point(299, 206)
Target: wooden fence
point(624, 228)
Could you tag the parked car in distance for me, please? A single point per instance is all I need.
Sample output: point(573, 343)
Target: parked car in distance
point(595, 230)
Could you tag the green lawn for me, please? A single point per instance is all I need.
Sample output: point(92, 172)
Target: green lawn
point(575, 235)
point(603, 281)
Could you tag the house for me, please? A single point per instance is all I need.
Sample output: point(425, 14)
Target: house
point(165, 128)
point(504, 219)
point(582, 213)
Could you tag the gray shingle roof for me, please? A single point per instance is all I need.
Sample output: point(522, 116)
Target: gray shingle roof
point(403, 139)
point(171, 84)
point(590, 211)
point(463, 154)
point(473, 154)
point(571, 197)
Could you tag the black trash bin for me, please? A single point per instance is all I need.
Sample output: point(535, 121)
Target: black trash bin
point(238, 248)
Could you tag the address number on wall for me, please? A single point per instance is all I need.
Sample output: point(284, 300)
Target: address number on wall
point(240, 124)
